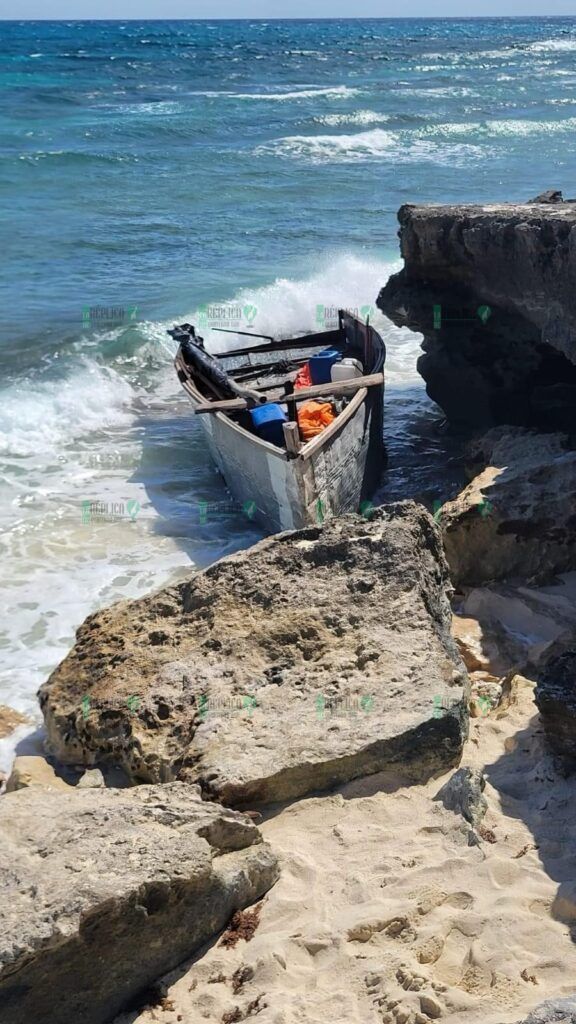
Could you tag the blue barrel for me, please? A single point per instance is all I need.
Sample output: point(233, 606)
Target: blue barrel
point(267, 421)
point(321, 365)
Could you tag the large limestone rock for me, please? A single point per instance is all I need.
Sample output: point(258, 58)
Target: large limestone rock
point(492, 290)
point(517, 518)
point(102, 892)
point(313, 658)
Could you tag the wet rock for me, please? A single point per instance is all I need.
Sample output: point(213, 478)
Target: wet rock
point(491, 289)
point(315, 657)
point(517, 518)
point(463, 794)
point(103, 892)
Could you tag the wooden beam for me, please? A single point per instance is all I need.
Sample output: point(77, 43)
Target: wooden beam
point(291, 437)
point(341, 387)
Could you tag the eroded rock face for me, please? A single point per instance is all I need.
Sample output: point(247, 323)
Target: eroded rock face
point(492, 290)
point(556, 698)
point(315, 657)
point(517, 518)
point(102, 892)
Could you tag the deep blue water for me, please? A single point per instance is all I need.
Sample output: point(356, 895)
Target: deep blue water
point(164, 164)
point(162, 167)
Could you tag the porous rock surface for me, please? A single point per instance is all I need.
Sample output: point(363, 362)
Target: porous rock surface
point(517, 517)
point(104, 891)
point(500, 347)
point(313, 658)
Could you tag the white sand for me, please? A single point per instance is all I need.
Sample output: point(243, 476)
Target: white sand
point(383, 913)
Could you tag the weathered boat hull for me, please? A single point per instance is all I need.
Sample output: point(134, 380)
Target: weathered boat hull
point(285, 492)
point(330, 474)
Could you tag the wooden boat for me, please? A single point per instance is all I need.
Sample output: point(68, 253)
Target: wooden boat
point(299, 482)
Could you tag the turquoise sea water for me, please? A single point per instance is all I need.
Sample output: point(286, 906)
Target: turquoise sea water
point(241, 172)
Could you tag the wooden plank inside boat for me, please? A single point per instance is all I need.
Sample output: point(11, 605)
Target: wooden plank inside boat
point(341, 387)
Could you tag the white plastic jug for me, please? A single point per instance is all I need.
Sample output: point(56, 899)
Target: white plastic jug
point(346, 369)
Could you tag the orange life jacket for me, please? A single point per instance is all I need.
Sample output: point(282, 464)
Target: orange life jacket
point(314, 417)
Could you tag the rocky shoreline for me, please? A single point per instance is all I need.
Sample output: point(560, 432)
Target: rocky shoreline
point(366, 728)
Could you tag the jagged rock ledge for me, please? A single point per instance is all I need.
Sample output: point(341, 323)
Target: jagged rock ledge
point(491, 288)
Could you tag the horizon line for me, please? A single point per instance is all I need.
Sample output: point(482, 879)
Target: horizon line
point(365, 17)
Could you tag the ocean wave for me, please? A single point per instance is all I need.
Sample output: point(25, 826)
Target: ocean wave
point(523, 128)
point(76, 157)
point(288, 307)
point(513, 127)
point(448, 129)
point(52, 414)
point(358, 117)
point(155, 107)
point(552, 45)
point(376, 145)
point(335, 92)
point(453, 91)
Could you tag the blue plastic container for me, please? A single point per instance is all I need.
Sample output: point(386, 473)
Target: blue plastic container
point(267, 421)
point(321, 365)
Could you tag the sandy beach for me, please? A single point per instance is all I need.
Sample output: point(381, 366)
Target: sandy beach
point(383, 912)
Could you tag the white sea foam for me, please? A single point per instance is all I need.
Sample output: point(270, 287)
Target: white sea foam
point(453, 91)
point(160, 107)
point(290, 306)
point(334, 92)
point(47, 416)
point(376, 145)
point(552, 45)
point(357, 117)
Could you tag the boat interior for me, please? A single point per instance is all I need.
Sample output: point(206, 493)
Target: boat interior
point(278, 375)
